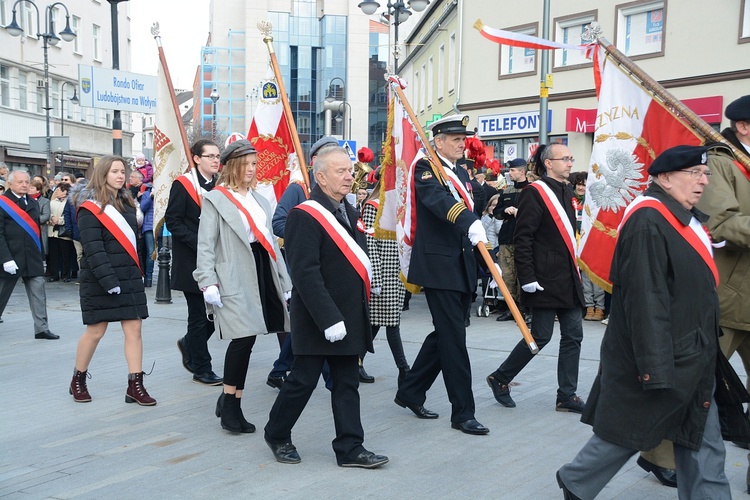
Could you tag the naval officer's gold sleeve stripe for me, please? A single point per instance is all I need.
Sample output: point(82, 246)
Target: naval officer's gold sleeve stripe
point(454, 211)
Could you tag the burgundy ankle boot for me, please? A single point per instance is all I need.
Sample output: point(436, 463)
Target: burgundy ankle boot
point(78, 387)
point(136, 392)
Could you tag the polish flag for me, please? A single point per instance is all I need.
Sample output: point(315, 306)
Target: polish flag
point(269, 133)
point(631, 130)
point(515, 39)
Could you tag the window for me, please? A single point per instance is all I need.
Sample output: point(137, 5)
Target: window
point(75, 25)
point(4, 86)
point(23, 92)
point(4, 14)
point(39, 95)
point(54, 97)
point(422, 87)
point(441, 72)
point(515, 61)
point(304, 125)
point(568, 30)
point(415, 98)
point(97, 31)
point(745, 22)
point(452, 63)
point(639, 28)
point(430, 82)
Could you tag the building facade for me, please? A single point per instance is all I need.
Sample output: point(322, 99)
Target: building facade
point(23, 88)
point(698, 52)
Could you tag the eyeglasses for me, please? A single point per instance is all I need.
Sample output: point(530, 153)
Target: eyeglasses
point(566, 159)
point(697, 174)
point(211, 157)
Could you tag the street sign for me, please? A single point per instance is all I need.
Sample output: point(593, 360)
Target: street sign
point(114, 89)
point(350, 147)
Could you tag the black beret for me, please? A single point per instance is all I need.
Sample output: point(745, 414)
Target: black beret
point(678, 158)
point(517, 163)
point(326, 140)
point(739, 110)
point(240, 147)
point(450, 125)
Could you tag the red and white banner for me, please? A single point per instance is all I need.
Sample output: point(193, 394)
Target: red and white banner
point(269, 133)
point(631, 130)
point(516, 39)
point(169, 151)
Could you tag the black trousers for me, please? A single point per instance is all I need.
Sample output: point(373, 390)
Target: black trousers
point(199, 330)
point(296, 391)
point(443, 350)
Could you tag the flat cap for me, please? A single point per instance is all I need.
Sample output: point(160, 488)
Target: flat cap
point(678, 158)
point(739, 110)
point(451, 125)
point(326, 140)
point(517, 163)
point(241, 147)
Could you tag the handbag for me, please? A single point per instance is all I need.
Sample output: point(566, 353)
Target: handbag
point(62, 231)
point(730, 393)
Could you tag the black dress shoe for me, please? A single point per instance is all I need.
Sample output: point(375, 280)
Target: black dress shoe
point(185, 354)
point(66, 280)
point(470, 426)
point(505, 316)
point(366, 460)
point(467, 322)
point(419, 411)
point(667, 477)
point(209, 378)
point(275, 382)
point(1, 320)
point(285, 453)
point(567, 495)
point(52, 280)
point(501, 392)
point(364, 377)
point(46, 335)
point(741, 444)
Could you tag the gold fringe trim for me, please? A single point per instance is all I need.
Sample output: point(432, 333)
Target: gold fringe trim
point(598, 281)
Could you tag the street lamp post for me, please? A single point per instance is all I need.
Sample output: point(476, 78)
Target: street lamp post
point(73, 100)
point(331, 98)
point(399, 12)
point(340, 118)
point(214, 97)
point(48, 37)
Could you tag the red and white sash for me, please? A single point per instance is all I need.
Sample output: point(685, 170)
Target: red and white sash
point(192, 186)
point(260, 235)
point(693, 233)
point(348, 246)
point(558, 214)
point(116, 224)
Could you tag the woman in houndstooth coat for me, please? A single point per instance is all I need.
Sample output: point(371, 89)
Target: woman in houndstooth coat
point(388, 291)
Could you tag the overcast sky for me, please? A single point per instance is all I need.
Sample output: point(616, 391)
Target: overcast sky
point(183, 26)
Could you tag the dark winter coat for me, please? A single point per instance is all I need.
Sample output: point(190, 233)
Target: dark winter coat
point(508, 198)
point(326, 289)
point(541, 254)
point(658, 354)
point(16, 244)
point(105, 265)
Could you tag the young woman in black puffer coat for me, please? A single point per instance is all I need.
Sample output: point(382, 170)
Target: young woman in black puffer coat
point(111, 277)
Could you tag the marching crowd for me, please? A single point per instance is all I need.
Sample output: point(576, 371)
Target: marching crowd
point(316, 272)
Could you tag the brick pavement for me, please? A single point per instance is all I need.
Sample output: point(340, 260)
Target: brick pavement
point(53, 448)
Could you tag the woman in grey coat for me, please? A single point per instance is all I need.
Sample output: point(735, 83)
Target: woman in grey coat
point(241, 272)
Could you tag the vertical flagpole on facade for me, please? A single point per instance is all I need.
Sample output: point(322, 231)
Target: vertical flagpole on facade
point(658, 92)
point(175, 106)
point(439, 171)
point(265, 29)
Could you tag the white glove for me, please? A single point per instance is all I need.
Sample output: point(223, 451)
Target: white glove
point(114, 291)
point(499, 271)
point(211, 296)
point(287, 295)
point(532, 287)
point(376, 291)
point(335, 332)
point(476, 233)
point(10, 267)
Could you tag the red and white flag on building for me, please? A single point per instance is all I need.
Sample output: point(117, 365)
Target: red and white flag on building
point(269, 133)
point(631, 130)
point(170, 160)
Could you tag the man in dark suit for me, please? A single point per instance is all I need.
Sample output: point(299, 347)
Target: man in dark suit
point(182, 216)
point(327, 256)
point(443, 263)
point(21, 251)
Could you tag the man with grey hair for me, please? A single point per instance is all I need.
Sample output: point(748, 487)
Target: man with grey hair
point(21, 251)
point(330, 318)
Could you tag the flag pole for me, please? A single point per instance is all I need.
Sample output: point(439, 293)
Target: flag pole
point(265, 29)
point(682, 112)
point(175, 106)
point(437, 168)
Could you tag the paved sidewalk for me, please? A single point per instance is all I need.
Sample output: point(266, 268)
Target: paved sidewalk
point(54, 448)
